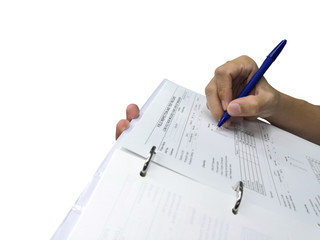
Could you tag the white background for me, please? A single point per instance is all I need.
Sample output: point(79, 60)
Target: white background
point(69, 68)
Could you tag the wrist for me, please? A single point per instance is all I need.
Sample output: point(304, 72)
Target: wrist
point(278, 108)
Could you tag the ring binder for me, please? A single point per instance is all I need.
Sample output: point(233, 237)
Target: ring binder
point(144, 170)
point(239, 189)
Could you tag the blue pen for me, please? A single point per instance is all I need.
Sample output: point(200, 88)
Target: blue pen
point(257, 76)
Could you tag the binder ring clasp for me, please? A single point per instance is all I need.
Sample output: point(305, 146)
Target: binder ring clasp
point(239, 189)
point(144, 170)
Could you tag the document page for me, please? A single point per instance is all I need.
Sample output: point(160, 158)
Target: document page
point(280, 171)
point(166, 205)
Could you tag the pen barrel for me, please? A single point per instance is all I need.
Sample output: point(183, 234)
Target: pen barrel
point(256, 77)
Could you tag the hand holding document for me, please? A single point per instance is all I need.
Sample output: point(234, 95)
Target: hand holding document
point(186, 192)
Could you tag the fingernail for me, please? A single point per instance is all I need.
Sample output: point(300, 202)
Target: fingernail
point(234, 109)
point(224, 105)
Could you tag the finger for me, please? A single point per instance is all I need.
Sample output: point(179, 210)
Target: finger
point(121, 126)
point(213, 101)
point(219, 90)
point(249, 106)
point(229, 73)
point(232, 76)
point(132, 112)
point(223, 81)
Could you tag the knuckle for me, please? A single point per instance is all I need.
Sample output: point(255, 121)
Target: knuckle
point(219, 70)
point(224, 69)
point(209, 90)
point(246, 58)
point(248, 61)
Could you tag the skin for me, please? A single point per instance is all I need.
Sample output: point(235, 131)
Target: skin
point(293, 115)
point(132, 112)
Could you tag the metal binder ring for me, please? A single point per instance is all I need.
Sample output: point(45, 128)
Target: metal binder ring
point(144, 170)
point(239, 189)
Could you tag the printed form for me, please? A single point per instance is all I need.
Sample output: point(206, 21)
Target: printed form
point(279, 170)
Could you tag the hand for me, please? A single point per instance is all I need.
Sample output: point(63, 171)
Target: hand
point(132, 112)
point(226, 85)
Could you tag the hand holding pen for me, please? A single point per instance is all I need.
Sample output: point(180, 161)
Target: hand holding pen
point(233, 80)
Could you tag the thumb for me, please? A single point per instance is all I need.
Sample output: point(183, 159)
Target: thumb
point(249, 106)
